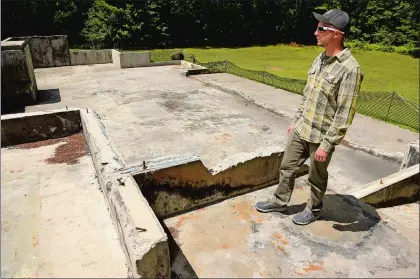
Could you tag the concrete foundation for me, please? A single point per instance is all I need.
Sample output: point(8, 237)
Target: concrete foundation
point(189, 146)
point(88, 57)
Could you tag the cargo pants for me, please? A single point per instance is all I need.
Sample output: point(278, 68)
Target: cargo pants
point(296, 153)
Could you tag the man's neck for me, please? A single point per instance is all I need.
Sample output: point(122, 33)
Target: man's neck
point(332, 51)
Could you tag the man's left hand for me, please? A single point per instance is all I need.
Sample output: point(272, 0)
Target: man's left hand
point(320, 155)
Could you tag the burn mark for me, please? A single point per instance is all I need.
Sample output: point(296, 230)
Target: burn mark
point(191, 191)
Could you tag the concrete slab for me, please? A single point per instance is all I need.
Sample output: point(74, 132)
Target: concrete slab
point(147, 117)
point(232, 239)
point(54, 219)
point(158, 112)
point(363, 133)
point(404, 219)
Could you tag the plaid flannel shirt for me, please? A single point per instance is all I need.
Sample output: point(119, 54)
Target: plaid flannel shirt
point(329, 99)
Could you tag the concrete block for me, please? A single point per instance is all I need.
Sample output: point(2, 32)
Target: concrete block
point(29, 127)
point(398, 188)
point(147, 250)
point(48, 51)
point(134, 59)
point(18, 77)
point(192, 65)
point(88, 57)
point(411, 155)
point(116, 60)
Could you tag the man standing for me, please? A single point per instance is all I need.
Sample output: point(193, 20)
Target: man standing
point(327, 110)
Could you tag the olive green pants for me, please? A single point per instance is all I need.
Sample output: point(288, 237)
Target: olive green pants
point(296, 153)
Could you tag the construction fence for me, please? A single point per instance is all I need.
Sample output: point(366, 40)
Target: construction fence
point(387, 106)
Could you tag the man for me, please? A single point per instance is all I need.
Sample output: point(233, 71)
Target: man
point(327, 110)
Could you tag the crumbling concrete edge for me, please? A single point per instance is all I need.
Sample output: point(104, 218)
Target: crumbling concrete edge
point(130, 211)
point(226, 164)
point(395, 157)
point(395, 189)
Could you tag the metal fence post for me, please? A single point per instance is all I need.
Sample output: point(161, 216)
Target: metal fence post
point(390, 105)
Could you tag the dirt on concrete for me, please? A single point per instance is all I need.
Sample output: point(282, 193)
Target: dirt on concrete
point(73, 148)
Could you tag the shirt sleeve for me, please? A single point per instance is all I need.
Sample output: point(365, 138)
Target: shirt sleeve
point(346, 109)
point(300, 110)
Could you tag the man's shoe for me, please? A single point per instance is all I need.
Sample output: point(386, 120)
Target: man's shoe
point(270, 206)
point(305, 217)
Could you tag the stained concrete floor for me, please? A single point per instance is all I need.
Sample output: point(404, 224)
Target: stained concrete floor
point(231, 239)
point(54, 218)
point(156, 112)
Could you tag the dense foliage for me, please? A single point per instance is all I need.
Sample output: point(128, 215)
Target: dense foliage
point(178, 23)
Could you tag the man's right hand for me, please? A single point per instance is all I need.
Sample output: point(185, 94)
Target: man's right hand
point(290, 129)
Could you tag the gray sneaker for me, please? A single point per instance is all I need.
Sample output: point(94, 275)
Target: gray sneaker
point(270, 206)
point(305, 217)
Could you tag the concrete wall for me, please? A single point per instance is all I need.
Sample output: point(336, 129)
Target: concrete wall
point(48, 51)
point(398, 188)
point(88, 57)
point(134, 59)
point(29, 127)
point(188, 184)
point(18, 77)
point(142, 237)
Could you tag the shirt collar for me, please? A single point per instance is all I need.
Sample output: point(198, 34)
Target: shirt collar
point(342, 55)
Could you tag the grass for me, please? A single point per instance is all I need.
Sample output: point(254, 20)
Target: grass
point(383, 71)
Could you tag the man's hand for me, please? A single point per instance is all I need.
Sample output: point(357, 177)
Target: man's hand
point(320, 155)
point(290, 129)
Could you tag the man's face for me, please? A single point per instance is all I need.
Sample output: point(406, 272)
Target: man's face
point(324, 38)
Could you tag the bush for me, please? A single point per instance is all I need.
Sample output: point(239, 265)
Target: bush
point(408, 49)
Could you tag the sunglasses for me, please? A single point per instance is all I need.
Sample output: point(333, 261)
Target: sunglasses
point(324, 28)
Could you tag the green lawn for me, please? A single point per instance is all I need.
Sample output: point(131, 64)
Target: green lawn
point(383, 71)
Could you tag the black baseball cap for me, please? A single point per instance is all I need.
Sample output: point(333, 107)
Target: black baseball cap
point(336, 17)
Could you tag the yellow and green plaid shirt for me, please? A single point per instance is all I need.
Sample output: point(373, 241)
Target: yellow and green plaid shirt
point(329, 99)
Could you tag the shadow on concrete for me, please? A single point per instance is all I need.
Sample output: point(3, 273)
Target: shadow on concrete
point(49, 96)
point(9, 108)
point(347, 213)
point(19, 104)
point(180, 266)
